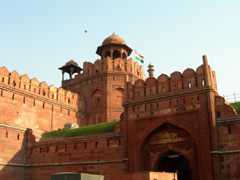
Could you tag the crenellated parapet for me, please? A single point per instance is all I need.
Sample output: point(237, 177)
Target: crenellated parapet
point(223, 109)
point(107, 65)
point(28, 103)
point(91, 149)
point(177, 82)
point(23, 83)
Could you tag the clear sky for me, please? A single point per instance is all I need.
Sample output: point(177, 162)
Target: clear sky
point(37, 37)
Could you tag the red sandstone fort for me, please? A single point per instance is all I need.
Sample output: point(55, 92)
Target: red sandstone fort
point(175, 123)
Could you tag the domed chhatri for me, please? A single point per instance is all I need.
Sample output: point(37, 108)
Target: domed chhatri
point(113, 39)
point(114, 47)
point(70, 67)
point(71, 62)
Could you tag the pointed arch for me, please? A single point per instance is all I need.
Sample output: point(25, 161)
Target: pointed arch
point(116, 54)
point(124, 56)
point(165, 138)
point(156, 127)
point(118, 97)
point(165, 151)
point(97, 98)
point(172, 160)
point(107, 54)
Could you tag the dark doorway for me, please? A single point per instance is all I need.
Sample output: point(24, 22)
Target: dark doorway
point(174, 162)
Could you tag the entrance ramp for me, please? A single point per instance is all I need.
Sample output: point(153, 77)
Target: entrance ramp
point(75, 176)
point(145, 176)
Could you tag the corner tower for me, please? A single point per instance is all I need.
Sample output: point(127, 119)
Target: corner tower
point(101, 85)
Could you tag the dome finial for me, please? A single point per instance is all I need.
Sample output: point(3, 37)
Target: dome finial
point(113, 39)
point(150, 66)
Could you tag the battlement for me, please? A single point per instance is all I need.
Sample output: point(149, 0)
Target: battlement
point(23, 83)
point(223, 109)
point(82, 149)
point(188, 80)
point(107, 64)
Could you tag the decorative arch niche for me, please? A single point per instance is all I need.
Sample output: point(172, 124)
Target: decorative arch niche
point(97, 99)
point(117, 97)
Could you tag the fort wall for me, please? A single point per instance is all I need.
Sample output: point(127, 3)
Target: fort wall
point(31, 104)
point(177, 82)
point(97, 154)
point(12, 150)
point(189, 101)
point(228, 140)
point(229, 145)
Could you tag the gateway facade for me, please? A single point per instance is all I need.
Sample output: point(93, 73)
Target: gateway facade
point(175, 123)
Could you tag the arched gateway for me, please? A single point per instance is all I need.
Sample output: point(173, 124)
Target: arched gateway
point(170, 149)
point(174, 162)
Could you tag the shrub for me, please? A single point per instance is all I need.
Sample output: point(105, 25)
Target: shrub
point(236, 106)
point(82, 131)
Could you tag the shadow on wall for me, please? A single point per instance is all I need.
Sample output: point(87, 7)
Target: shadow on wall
point(12, 152)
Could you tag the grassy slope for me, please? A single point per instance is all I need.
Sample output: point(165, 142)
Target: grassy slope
point(82, 131)
point(96, 129)
point(236, 106)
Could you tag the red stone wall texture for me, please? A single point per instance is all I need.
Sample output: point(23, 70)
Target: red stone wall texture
point(101, 154)
point(29, 104)
point(229, 145)
point(12, 152)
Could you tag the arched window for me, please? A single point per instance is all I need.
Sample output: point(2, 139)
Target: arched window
point(124, 56)
point(107, 54)
point(116, 54)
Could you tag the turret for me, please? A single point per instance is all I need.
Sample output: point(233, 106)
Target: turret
point(150, 70)
point(70, 67)
point(114, 47)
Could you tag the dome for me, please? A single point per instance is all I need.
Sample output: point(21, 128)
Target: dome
point(113, 39)
point(71, 62)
